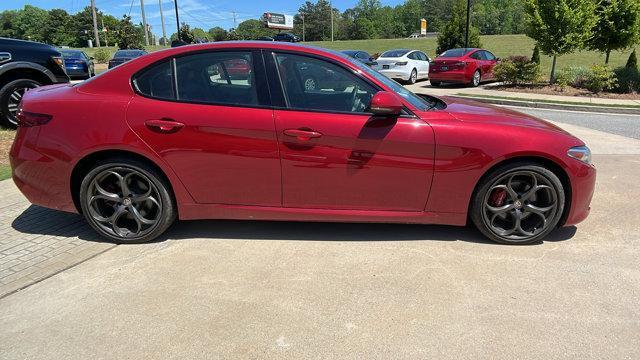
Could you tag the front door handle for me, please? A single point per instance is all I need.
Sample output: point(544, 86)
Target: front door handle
point(164, 126)
point(302, 134)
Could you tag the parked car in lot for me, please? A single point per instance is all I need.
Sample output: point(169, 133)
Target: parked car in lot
point(463, 66)
point(122, 56)
point(265, 38)
point(286, 37)
point(362, 56)
point(25, 65)
point(404, 64)
point(78, 64)
point(160, 138)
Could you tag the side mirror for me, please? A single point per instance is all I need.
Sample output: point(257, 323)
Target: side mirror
point(90, 57)
point(385, 103)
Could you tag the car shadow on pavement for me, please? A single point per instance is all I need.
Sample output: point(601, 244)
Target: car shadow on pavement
point(67, 224)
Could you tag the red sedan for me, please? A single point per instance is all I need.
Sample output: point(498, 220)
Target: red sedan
point(462, 66)
point(165, 136)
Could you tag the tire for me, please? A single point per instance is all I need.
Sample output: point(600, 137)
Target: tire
point(435, 83)
point(137, 214)
point(413, 77)
point(10, 96)
point(495, 209)
point(475, 80)
point(310, 83)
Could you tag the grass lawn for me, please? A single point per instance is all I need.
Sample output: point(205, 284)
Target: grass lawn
point(6, 139)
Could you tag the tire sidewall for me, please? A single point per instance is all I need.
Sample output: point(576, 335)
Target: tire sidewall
point(5, 92)
point(473, 79)
point(484, 186)
point(168, 213)
point(413, 77)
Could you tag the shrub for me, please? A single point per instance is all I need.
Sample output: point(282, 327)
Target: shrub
point(632, 63)
point(600, 78)
point(102, 56)
point(516, 70)
point(535, 58)
point(628, 80)
point(574, 76)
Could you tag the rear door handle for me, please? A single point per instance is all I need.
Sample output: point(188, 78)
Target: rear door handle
point(302, 134)
point(164, 126)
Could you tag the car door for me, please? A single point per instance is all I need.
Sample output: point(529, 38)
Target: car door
point(490, 63)
point(424, 63)
point(336, 155)
point(208, 116)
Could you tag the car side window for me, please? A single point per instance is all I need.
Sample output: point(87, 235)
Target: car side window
point(413, 56)
point(318, 85)
point(477, 55)
point(489, 56)
point(156, 81)
point(216, 78)
point(423, 56)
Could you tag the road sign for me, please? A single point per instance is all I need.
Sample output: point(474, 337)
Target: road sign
point(278, 21)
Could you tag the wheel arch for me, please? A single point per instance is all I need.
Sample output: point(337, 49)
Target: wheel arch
point(15, 71)
point(83, 166)
point(550, 164)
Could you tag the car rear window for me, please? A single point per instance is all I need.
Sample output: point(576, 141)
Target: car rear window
point(455, 52)
point(394, 53)
point(128, 53)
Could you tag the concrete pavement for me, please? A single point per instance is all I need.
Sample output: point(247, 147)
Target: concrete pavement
point(227, 289)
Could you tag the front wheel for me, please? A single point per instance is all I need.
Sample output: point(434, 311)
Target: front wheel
point(475, 80)
point(518, 203)
point(127, 201)
point(10, 97)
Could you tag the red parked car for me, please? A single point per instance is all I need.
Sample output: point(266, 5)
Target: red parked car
point(462, 66)
point(164, 137)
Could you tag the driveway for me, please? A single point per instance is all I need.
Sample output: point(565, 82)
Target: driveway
point(231, 289)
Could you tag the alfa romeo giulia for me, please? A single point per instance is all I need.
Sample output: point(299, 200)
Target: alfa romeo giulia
point(177, 134)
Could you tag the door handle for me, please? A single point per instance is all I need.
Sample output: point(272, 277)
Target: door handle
point(164, 126)
point(301, 134)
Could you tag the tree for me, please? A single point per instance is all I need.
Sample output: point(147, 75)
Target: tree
point(127, 35)
point(559, 26)
point(7, 23)
point(29, 23)
point(56, 29)
point(253, 29)
point(632, 62)
point(617, 26)
point(535, 58)
point(185, 34)
point(453, 34)
point(218, 34)
point(317, 20)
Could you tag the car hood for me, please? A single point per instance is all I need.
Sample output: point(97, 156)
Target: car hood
point(473, 111)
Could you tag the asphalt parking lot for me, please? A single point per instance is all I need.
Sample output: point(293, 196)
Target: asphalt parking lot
point(231, 289)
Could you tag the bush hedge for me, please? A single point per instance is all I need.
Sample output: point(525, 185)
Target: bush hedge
point(517, 70)
point(102, 56)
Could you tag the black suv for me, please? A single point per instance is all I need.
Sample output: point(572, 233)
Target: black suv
point(25, 65)
point(286, 37)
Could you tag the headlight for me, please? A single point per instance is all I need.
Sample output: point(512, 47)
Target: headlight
point(581, 153)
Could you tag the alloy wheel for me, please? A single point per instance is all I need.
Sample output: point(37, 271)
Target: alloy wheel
point(414, 76)
point(476, 78)
point(124, 202)
point(310, 84)
point(14, 102)
point(520, 205)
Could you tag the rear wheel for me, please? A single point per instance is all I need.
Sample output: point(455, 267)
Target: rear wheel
point(518, 203)
point(127, 201)
point(10, 97)
point(413, 77)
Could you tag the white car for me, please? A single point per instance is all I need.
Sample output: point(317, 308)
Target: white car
point(403, 64)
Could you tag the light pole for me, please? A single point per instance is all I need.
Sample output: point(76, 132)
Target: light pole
point(331, 9)
point(302, 26)
point(175, 2)
point(466, 34)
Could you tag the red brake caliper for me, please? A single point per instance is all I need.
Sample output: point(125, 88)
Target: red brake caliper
point(497, 197)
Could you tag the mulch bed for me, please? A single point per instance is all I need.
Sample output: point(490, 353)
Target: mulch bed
point(567, 91)
point(6, 139)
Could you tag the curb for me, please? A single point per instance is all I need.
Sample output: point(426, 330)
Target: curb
point(554, 106)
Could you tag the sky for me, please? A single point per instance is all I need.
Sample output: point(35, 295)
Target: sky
point(204, 14)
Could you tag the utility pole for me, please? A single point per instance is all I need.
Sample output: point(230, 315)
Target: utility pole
point(144, 23)
point(331, 8)
point(234, 19)
point(95, 22)
point(466, 35)
point(164, 32)
point(303, 27)
point(106, 39)
point(175, 2)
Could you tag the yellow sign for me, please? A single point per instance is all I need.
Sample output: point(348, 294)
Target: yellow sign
point(423, 27)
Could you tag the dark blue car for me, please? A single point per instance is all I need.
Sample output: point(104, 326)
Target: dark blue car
point(78, 64)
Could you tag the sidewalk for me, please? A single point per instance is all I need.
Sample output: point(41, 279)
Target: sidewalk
point(487, 92)
point(36, 243)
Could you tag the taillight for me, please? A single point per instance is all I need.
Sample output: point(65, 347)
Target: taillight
point(29, 119)
point(460, 64)
point(401, 63)
point(58, 60)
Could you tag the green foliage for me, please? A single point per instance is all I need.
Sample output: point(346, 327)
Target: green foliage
point(535, 58)
point(498, 16)
point(600, 78)
point(185, 34)
point(253, 29)
point(574, 76)
point(102, 55)
point(453, 34)
point(632, 63)
point(199, 34)
point(616, 27)
point(127, 35)
point(517, 70)
point(628, 80)
point(218, 34)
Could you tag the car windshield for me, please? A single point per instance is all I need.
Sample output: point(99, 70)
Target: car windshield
point(419, 102)
point(455, 53)
point(128, 53)
point(71, 54)
point(394, 53)
point(349, 52)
